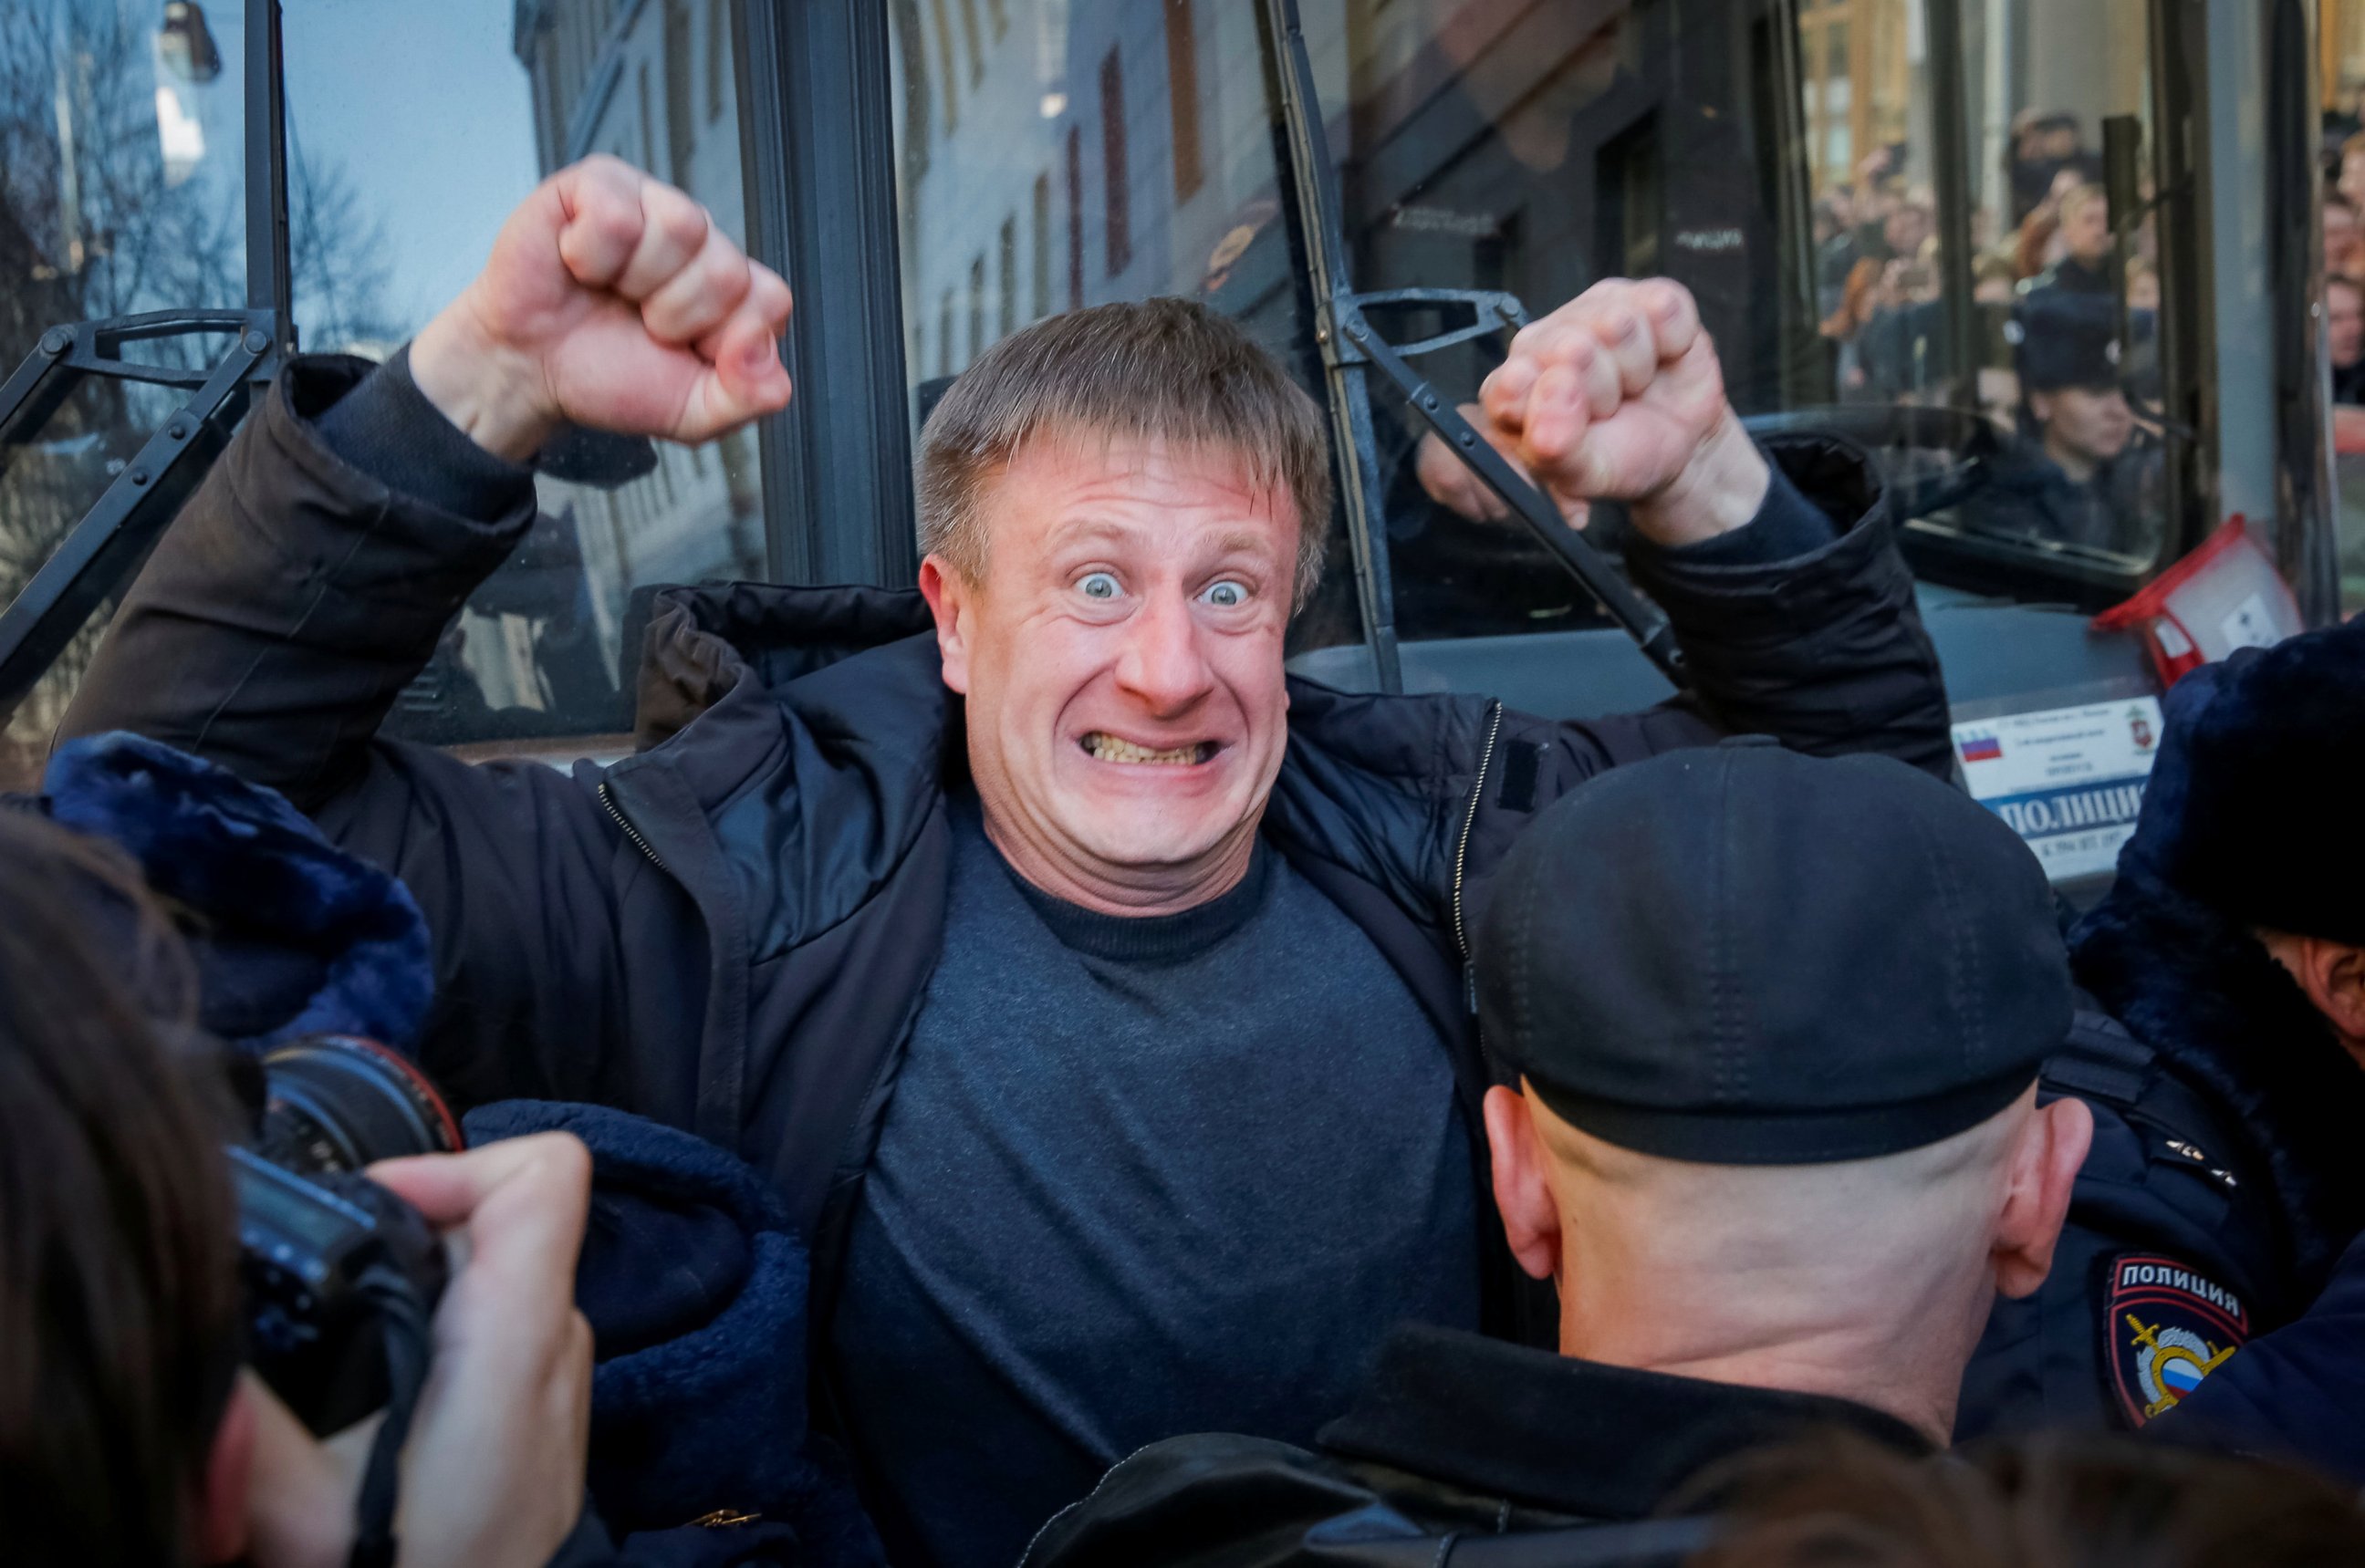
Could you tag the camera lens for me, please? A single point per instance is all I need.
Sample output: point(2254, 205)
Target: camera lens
point(338, 1102)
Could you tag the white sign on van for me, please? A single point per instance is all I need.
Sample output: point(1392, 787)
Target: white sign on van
point(2069, 780)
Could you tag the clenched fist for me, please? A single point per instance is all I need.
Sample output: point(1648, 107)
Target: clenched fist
point(611, 301)
point(1617, 396)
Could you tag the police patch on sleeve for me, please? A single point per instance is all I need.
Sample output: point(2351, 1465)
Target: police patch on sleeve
point(2165, 1329)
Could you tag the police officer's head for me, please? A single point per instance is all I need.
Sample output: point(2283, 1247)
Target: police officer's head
point(2251, 813)
point(2067, 349)
point(1777, 1023)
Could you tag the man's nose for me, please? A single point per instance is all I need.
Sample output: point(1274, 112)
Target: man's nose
point(1164, 667)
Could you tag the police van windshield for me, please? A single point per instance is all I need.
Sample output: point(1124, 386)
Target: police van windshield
point(1055, 156)
point(1872, 213)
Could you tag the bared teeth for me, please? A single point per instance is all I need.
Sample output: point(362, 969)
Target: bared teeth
point(1110, 748)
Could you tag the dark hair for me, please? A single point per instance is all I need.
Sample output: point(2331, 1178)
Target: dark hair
point(2067, 1500)
point(1169, 369)
point(118, 1283)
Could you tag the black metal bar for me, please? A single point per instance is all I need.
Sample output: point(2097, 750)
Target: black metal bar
point(268, 284)
point(1642, 621)
point(34, 392)
point(1491, 309)
point(1806, 365)
point(101, 550)
point(1316, 217)
point(2180, 139)
point(1951, 187)
point(761, 69)
point(845, 448)
point(2307, 488)
point(2122, 204)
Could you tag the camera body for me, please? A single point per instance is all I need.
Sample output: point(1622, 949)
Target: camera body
point(335, 1268)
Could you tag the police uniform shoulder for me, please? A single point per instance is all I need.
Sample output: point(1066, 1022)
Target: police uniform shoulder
point(2100, 1060)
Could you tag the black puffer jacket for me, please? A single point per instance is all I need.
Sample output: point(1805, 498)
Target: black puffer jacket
point(732, 930)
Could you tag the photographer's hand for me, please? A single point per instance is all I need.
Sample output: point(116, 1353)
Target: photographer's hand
point(492, 1475)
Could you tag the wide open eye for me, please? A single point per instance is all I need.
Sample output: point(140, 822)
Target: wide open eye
point(1097, 585)
point(1226, 595)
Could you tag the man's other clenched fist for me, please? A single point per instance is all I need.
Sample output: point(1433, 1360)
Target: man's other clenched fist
point(1618, 396)
point(611, 301)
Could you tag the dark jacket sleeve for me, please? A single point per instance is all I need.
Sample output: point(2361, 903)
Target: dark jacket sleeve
point(1825, 650)
point(281, 612)
point(1210, 1500)
point(2297, 1392)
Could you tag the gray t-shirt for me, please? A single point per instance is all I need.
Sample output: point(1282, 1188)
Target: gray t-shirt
point(1139, 1177)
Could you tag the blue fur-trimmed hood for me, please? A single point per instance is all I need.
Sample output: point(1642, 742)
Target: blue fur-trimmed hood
point(695, 1286)
point(292, 935)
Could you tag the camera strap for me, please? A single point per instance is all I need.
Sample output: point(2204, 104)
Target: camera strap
point(407, 1351)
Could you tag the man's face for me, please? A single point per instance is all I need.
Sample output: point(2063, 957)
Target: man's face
point(1907, 227)
point(2352, 177)
point(2093, 422)
point(2339, 236)
point(2085, 229)
point(1122, 659)
point(2344, 315)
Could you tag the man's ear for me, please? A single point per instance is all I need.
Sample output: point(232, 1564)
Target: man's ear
point(221, 1511)
point(2044, 1165)
point(950, 600)
point(1523, 1191)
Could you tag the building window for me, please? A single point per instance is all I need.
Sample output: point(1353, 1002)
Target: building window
point(945, 53)
point(648, 158)
point(1075, 219)
point(1119, 224)
point(1008, 320)
point(1042, 247)
point(680, 107)
point(976, 307)
point(1183, 98)
point(718, 42)
point(916, 131)
point(944, 336)
point(976, 44)
point(1000, 11)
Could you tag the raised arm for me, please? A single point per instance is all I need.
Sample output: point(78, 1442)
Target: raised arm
point(309, 578)
point(1795, 613)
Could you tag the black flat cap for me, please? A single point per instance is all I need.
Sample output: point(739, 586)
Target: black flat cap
point(1741, 956)
point(2065, 337)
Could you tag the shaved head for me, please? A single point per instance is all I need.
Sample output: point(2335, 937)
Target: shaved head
point(1866, 1279)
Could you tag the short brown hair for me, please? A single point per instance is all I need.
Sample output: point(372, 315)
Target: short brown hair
point(118, 1283)
point(1156, 369)
point(2086, 195)
point(2064, 1501)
